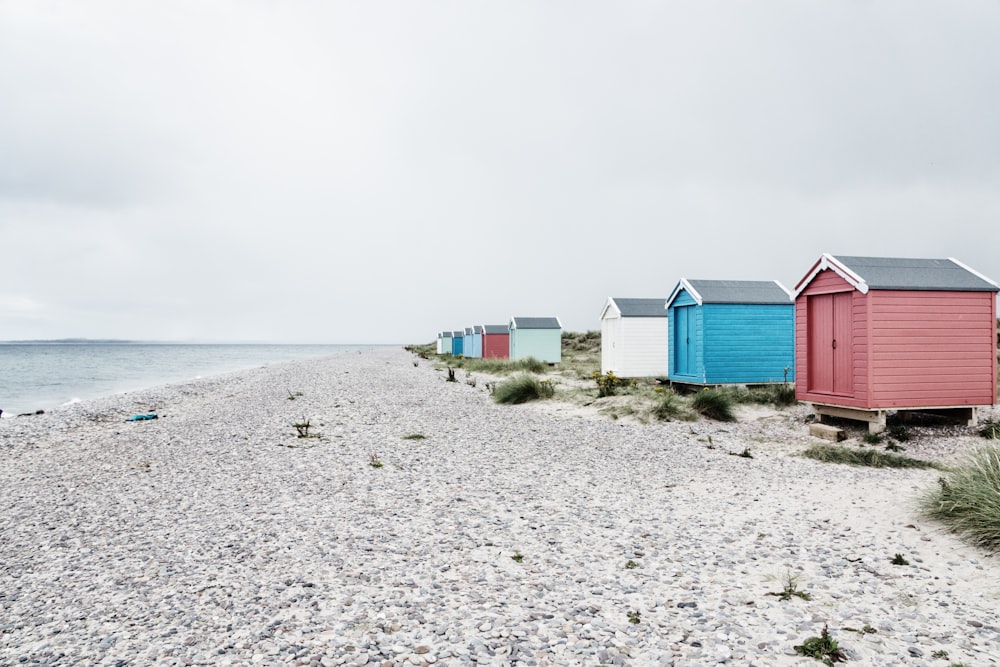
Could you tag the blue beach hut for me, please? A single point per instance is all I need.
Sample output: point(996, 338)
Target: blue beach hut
point(538, 337)
point(468, 349)
point(457, 342)
point(731, 332)
point(477, 341)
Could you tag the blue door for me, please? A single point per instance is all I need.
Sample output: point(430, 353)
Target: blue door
point(684, 340)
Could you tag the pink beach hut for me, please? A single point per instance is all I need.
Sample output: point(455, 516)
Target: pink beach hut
point(496, 341)
point(874, 334)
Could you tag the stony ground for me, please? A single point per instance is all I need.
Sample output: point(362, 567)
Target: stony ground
point(490, 534)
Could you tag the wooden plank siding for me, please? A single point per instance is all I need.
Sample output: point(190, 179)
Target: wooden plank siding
point(932, 349)
point(643, 347)
point(910, 348)
point(496, 346)
point(748, 343)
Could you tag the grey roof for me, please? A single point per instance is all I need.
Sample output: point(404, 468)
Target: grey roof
point(477, 329)
point(446, 334)
point(741, 291)
point(641, 307)
point(457, 334)
point(496, 329)
point(897, 273)
point(468, 331)
point(537, 322)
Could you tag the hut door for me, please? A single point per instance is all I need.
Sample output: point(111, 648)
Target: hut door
point(830, 343)
point(684, 340)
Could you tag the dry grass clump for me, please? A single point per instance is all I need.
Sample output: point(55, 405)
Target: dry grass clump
point(714, 404)
point(872, 458)
point(523, 388)
point(967, 499)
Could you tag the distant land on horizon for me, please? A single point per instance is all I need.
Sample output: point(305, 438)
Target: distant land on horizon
point(122, 341)
point(72, 341)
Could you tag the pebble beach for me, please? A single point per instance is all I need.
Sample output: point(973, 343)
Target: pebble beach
point(488, 534)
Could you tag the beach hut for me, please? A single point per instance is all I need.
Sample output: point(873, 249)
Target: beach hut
point(457, 340)
point(731, 332)
point(875, 334)
point(468, 348)
point(496, 341)
point(477, 341)
point(634, 337)
point(538, 337)
point(444, 343)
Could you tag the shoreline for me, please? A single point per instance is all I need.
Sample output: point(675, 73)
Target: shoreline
point(503, 536)
point(117, 367)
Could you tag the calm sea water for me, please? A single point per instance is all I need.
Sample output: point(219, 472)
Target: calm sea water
point(42, 376)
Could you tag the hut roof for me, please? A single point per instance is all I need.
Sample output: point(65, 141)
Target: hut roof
point(902, 273)
point(759, 292)
point(536, 323)
point(640, 307)
point(495, 329)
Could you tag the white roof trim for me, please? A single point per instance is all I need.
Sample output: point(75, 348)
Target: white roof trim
point(784, 289)
point(686, 286)
point(828, 261)
point(610, 303)
point(974, 272)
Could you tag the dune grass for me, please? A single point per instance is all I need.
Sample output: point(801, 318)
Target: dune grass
point(714, 404)
point(872, 458)
point(521, 389)
point(498, 366)
point(967, 499)
point(670, 407)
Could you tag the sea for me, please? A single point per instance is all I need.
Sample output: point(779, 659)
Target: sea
point(45, 375)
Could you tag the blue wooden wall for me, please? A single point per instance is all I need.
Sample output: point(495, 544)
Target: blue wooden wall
point(731, 343)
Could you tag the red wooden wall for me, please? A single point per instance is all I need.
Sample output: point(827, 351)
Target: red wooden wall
point(496, 346)
point(905, 349)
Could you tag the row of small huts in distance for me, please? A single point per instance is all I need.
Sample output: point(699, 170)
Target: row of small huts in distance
point(859, 336)
point(520, 338)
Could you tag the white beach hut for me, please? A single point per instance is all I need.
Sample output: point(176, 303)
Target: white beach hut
point(634, 337)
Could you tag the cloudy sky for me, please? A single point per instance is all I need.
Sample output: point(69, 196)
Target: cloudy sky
point(353, 172)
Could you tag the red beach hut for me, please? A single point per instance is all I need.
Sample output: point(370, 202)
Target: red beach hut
point(874, 334)
point(496, 341)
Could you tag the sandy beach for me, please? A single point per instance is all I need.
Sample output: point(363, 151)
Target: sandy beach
point(490, 535)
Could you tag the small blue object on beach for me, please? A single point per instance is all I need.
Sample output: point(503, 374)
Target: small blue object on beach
point(136, 418)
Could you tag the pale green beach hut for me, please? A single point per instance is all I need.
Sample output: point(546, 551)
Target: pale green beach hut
point(538, 337)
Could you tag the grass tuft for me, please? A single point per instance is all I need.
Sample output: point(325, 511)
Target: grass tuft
point(714, 404)
point(521, 389)
point(872, 458)
point(671, 408)
point(967, 499)
point(990, 429)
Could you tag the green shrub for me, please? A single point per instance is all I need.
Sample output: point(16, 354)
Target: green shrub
point(967, 499)
point(713, 404)
point(824, 648)
point(608, 384)
point(864, 457)
point(523, 388)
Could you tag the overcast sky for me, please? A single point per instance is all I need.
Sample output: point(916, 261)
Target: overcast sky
point(355, 172)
